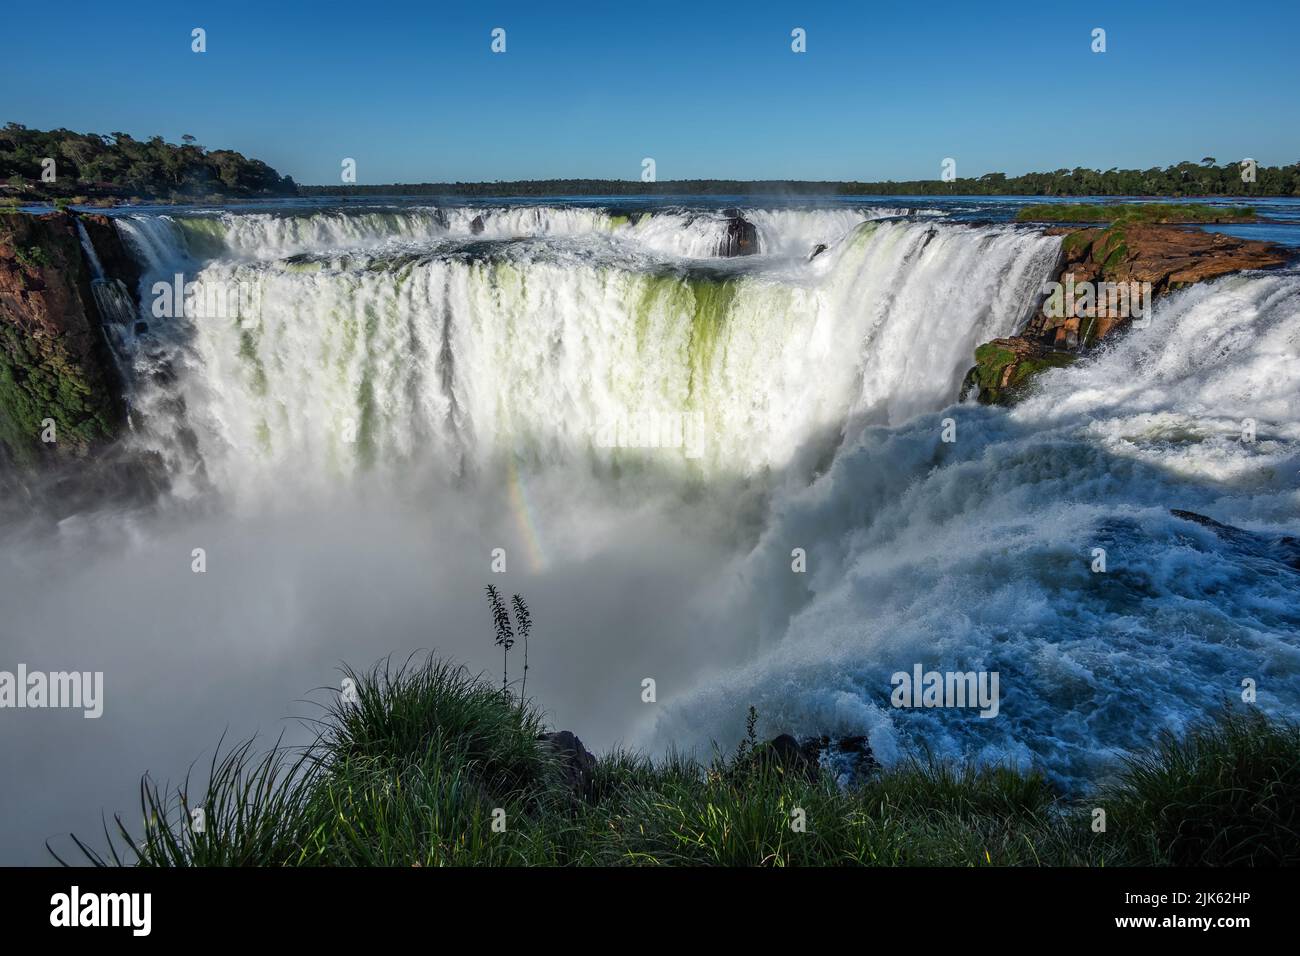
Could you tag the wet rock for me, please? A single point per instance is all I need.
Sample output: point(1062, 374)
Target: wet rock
point(625, 217)
point(787, 755)
point(1216, 526)
point(1285, 549)
point(817, 251)
point(62, 489)
point(740, 237)
point(476, 225)
point(850, 759)
point(574, 762)
point(1166, 257)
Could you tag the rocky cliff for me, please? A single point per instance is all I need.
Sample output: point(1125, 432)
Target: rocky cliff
point(60, 393)
point(1107, 278)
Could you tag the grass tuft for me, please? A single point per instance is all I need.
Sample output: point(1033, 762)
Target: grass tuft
point(430, 765)
point(1225, 794)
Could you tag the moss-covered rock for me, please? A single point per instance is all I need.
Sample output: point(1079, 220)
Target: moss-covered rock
point(1004, 367)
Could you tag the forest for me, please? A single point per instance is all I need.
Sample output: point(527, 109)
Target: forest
point(1206, 178)
point(48, 165)
point(52, 164)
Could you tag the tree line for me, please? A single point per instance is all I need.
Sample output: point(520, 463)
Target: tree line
point(1206, 178)
point(60, 163)
point(47, 164)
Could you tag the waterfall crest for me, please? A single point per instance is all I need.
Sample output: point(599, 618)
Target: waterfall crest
point(397, 339)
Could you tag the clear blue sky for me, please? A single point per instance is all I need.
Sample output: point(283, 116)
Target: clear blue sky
point(412, 91)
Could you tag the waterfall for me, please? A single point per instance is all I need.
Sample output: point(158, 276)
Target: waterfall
point(392, 342)
point(92, 257)
point(156, 242)
point(676, 232)
point(114, 301)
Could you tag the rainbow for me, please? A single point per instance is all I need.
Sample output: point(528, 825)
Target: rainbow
point(523, 512)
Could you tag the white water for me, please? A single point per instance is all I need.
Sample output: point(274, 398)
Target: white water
point(431, 354)
point(477, 371)
point(977, 555)
point(678, 233)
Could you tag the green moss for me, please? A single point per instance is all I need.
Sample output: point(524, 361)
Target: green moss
point(248, 352)
point(367, 408)
point(1117, 255)
point(667, 292)
point(1076, 244)
point(367, 449)
point(32, 257)
point(205, 237)
point(1154, 212)
point(1111, 249)
point(713, 301)
point(990, 360)
point(39, 381)
point(990, 371)
point(1030, 367)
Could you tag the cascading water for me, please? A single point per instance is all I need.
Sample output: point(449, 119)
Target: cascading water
point(401, 341)
point(979, 555)
point(675, 232)
point(114, 300)
point(369, 405)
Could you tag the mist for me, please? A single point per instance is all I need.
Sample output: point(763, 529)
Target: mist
point(254, 644)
